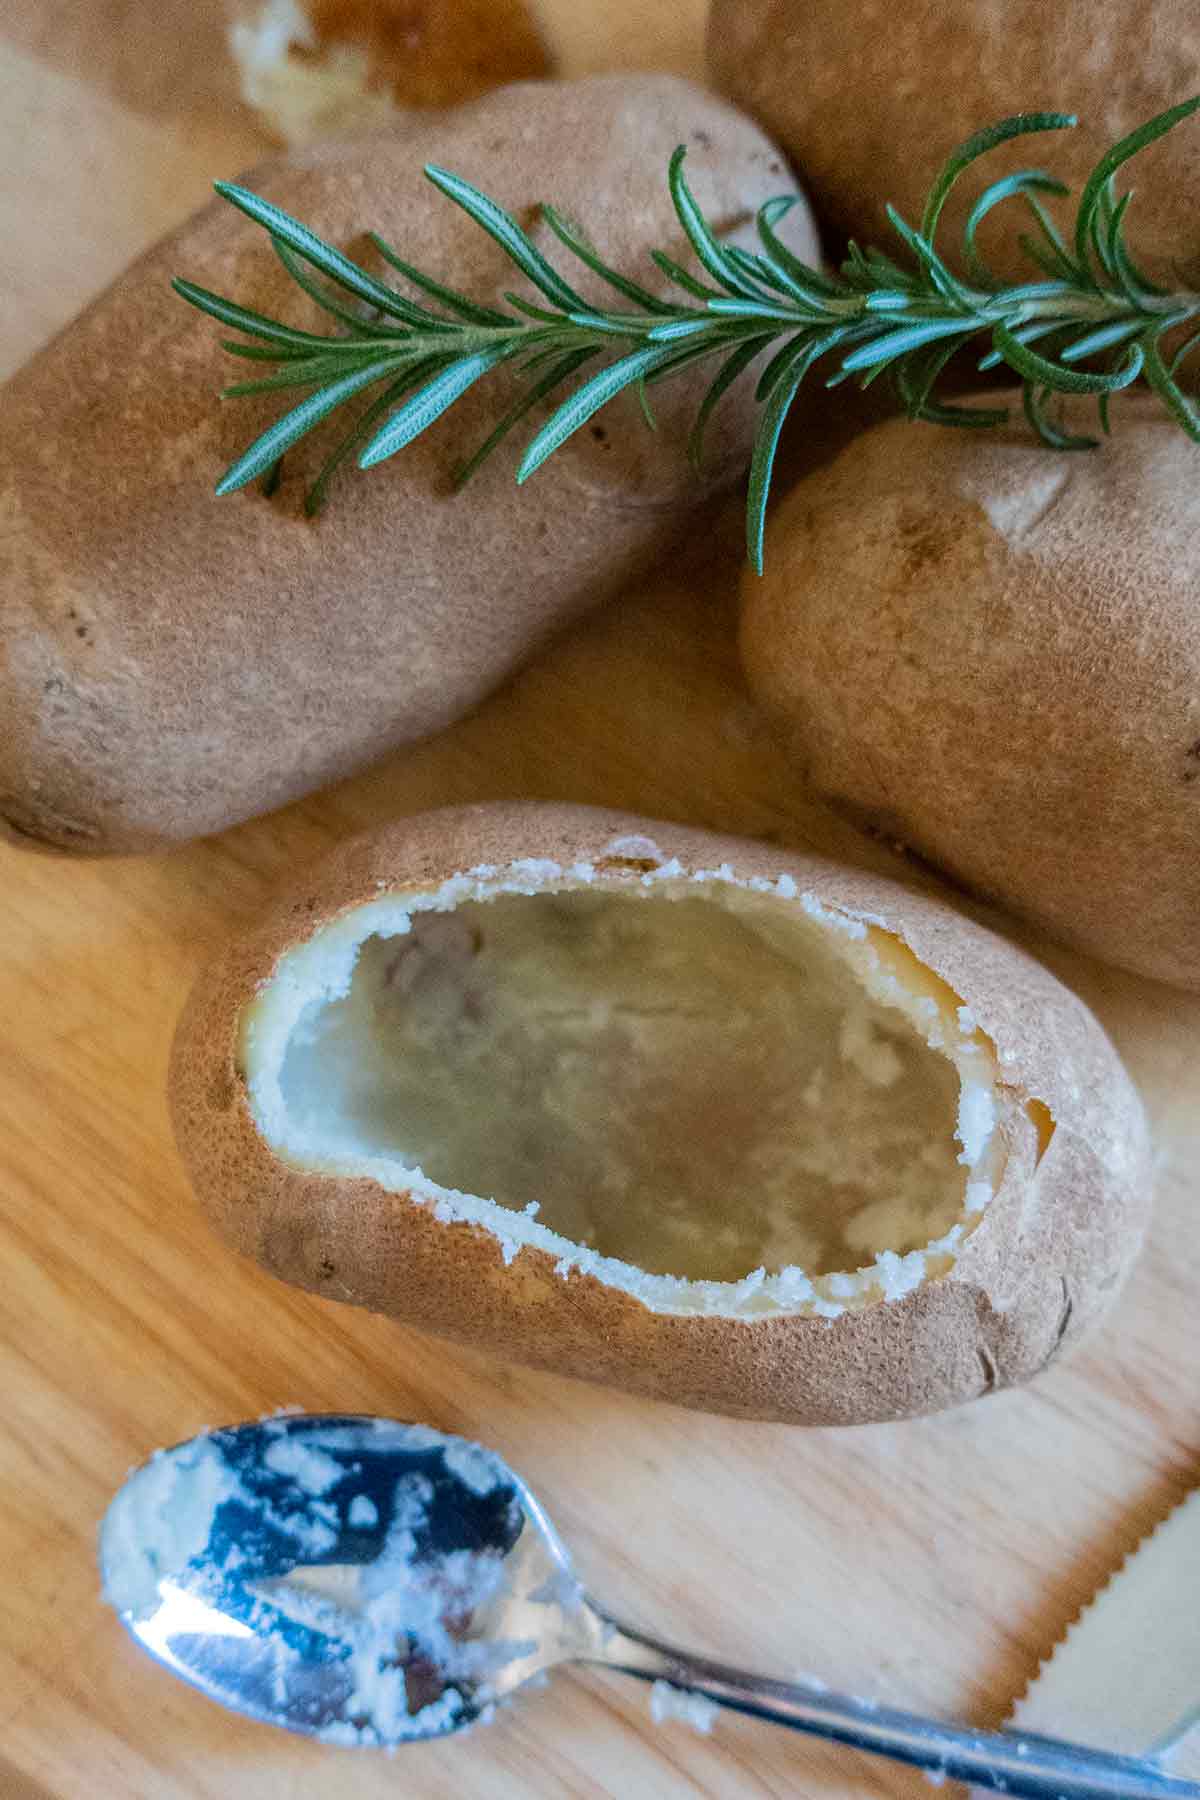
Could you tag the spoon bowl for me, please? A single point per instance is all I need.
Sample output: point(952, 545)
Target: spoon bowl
point(358, 1579)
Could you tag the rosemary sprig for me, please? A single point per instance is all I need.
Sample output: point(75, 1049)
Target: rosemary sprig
point(1097, 319)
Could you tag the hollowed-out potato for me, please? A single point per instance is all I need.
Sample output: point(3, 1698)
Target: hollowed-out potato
point(314, 67)
point(674, 1111)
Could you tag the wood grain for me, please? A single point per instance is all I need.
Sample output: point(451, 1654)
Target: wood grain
point(928, 1564)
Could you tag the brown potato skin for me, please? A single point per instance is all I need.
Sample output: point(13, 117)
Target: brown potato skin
point(1014, 696)
point(170, 662)
point(1044, 1263)
point(869, 98)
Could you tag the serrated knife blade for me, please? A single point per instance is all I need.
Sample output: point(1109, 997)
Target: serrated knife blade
point(1126, 1677)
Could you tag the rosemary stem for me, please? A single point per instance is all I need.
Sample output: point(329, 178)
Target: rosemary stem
point(1086, 320)
point(1105, 305)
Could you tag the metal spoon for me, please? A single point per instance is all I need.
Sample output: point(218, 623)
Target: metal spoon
point(370, 1582)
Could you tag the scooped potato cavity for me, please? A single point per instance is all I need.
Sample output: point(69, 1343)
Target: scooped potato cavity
point(599, 1072)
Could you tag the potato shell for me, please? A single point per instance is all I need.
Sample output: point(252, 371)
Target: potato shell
point(170, 662)
point(869, 98)
point(1044, 1262)
point(327, 66)
point(989, 652)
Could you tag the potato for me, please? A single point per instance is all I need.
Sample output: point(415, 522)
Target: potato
point(173, 662)
point(683, 1113)
point(989, 653)
point(869, 97)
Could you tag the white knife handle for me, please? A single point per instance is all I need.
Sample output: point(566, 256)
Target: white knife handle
point(1020, 1765)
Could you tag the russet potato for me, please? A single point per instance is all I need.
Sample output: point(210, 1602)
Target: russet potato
point(869, 97)
point(687, 1114)
point(989, 652)
point(171, 662)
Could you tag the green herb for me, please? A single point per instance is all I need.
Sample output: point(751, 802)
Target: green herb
point(1098, 322)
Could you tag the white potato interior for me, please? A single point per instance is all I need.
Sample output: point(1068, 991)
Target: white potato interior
point(694, 1085)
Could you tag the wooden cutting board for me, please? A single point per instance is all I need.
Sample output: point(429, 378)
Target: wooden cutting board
point(928, 1564)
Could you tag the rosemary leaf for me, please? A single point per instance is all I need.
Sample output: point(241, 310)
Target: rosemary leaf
point(1108, 165)
point(1027, 183)
point(1092, 342)
point(417, 414)
point(1019, 125)
point(309, 371)
point(242, 319)
point(679, 275)
point(458, 303)
point(314, 499)
point(711, 254)
point(584, 402)
point(359, 326)
point(1184, 351)
point(897, 343)
point(727, 374)
point(1182, 409)
point(296, 424)
point(578, 245)
point(766, 443)
point(1038, 368)
point(804, 283)
point(321, 255)
point(1035, 400)
point(501, 226)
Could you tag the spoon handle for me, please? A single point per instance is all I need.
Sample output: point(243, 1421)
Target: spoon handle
point(1037, 1768)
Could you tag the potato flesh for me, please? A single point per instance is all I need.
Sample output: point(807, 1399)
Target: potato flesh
point(697, 1092)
